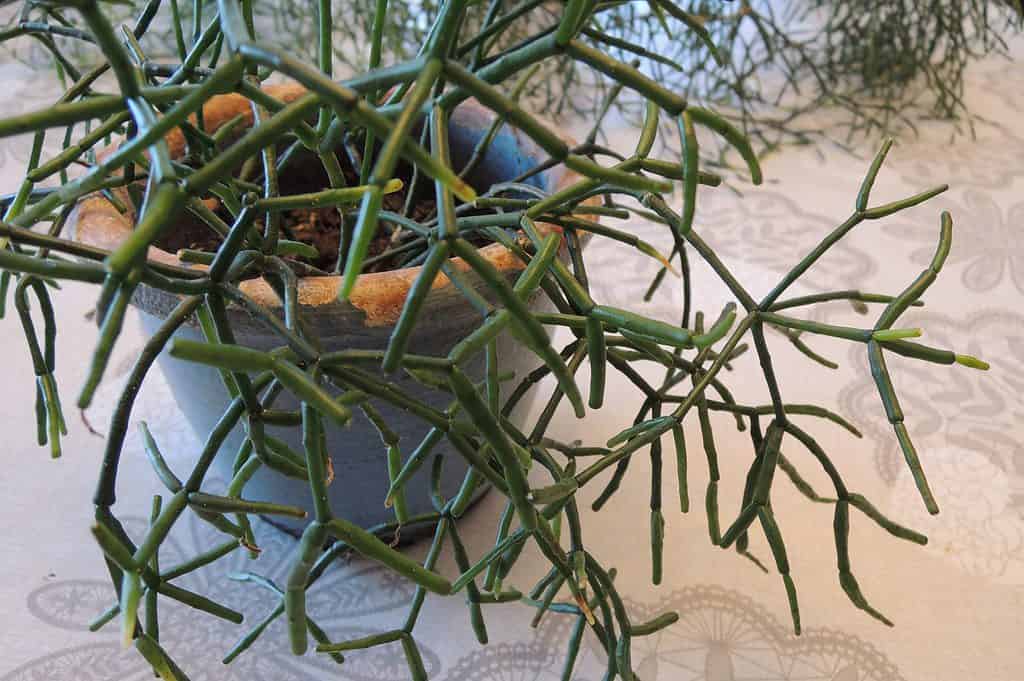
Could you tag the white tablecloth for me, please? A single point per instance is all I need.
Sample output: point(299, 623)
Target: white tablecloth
point(958, 604)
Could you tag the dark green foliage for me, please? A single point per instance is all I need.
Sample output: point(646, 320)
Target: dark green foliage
point(220, 54)
point(766, 65)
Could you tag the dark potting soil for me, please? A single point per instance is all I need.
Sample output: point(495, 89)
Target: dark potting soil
point(319, 227)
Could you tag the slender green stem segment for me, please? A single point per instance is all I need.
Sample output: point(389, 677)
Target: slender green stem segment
point(366, 224)
point(369, 546)
point(596, 351)
point(690, 160)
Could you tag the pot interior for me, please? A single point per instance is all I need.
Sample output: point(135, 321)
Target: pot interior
point(509, 155)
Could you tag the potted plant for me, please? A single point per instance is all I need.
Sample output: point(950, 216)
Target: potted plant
point(359, 263)
point(363, 323)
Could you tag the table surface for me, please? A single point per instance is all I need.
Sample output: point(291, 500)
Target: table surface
point(957, 604)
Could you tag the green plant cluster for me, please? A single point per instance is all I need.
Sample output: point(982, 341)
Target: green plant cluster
point(769, 67)
point(373, 115)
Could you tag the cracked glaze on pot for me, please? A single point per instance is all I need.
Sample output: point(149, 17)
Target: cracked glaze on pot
point(365, 322)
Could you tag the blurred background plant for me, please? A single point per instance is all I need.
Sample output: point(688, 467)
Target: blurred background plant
point(879, 67)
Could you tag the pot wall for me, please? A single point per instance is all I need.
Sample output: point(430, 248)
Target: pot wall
point(360, 466)
point(361, 478)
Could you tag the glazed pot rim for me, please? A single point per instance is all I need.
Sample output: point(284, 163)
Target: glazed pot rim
point(380, 296)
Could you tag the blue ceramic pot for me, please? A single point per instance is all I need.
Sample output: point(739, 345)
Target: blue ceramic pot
point(365, 322)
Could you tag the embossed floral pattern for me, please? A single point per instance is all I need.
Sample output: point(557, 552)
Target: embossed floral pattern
point(721, 636)
point(989, 243)
point(992, 160)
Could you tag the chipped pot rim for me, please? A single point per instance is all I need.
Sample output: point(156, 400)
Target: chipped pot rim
point(380, 296)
